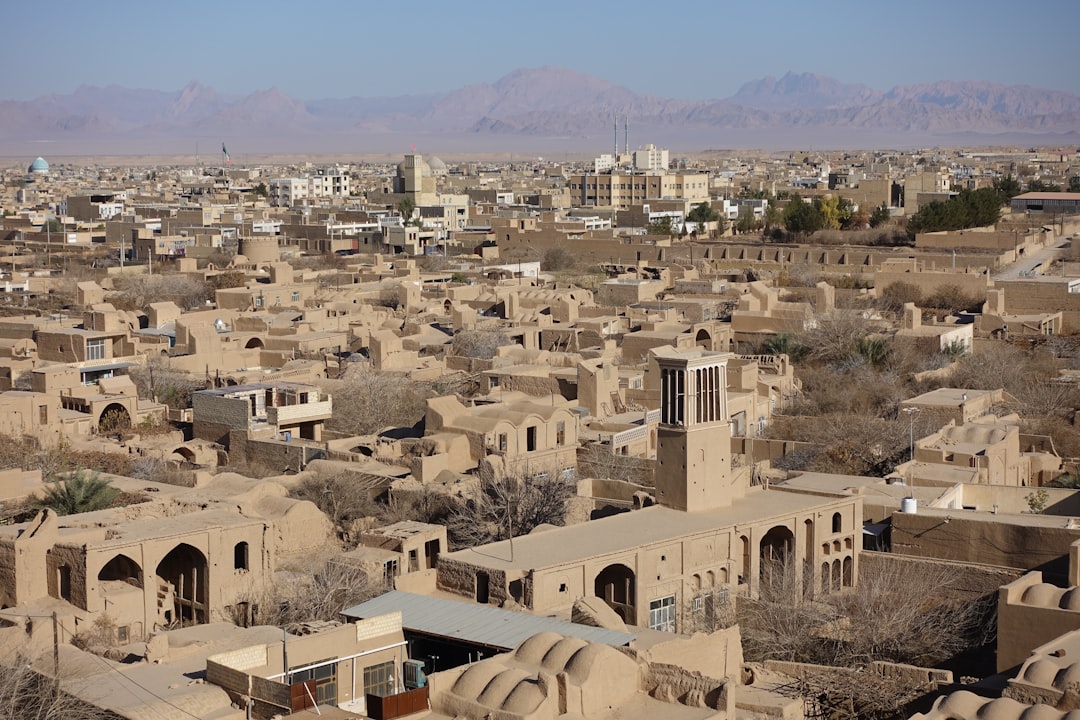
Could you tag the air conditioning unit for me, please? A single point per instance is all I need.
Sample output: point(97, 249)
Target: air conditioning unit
point(414, 674)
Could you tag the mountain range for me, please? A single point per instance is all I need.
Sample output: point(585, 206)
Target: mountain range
point(539, 108)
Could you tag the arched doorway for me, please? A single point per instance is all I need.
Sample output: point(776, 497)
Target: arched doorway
point(187, 453)
point(777, 550)
point(254, 343)
point(615, 585)
point(703, 339)
point(183, 574)
point(114, 417)
point(124, 569)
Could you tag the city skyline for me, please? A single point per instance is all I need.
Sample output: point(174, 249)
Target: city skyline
point(241, 47)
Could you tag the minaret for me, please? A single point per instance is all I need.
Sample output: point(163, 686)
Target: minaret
point(693, 455)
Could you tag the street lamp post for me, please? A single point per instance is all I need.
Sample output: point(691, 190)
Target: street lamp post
point(910, 412)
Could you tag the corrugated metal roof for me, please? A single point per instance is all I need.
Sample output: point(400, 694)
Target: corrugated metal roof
point(475, 623)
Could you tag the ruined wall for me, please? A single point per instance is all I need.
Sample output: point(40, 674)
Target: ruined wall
point(459, 578)
point(73, 557)
point(671, 683)
point(7, 574)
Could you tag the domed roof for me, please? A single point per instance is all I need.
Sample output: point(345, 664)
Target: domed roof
point(39, 166)
point(438, 167)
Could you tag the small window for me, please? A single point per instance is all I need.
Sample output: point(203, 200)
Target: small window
point(240, 556)
point(123, 633)
point(95, 349)
point(530, 439)
point(837, 522)
point(502, 442)
point(562, 587)
point(390, 571)
point(560, 433)
point(296, 297)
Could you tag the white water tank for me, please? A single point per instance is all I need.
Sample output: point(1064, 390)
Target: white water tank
point(909, 505)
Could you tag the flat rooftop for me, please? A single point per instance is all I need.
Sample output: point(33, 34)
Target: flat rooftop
point(619, 533)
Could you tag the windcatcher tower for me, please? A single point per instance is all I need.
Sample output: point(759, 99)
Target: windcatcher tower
point(693, 468)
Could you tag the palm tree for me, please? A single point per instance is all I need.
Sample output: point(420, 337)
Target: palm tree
point(78, 493)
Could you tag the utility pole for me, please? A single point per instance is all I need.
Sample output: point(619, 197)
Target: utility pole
point(56, 654)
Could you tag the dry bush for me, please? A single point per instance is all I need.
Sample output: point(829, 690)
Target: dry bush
point(895, 295)
point(157, 381)
point(509, 506)
point(853, 444)
point(904, 612)
point(951, 299)
point(25, 694)
point(598, 461)
point(835, 337)
point(479, 344)
point(136, 292)
point(336, 585)
point(557, 258)
point(368, 400)
point(344, 497)
point(1003, 365)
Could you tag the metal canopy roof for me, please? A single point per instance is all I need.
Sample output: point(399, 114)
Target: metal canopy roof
point(475, 623)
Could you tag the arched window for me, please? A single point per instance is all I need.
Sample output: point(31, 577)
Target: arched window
point(240, 556)
point(837, 522)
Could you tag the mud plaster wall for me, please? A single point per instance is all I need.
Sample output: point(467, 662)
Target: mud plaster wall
point(75, 559)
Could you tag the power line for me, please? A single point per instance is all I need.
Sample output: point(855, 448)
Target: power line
point(138, 685)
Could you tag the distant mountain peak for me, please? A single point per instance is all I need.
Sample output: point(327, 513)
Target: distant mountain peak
point(802, 91)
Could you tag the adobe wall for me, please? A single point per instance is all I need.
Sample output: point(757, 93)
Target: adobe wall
point(954, 537)
point(974, 284)
point(1022, 627)
point(274, 454)
point(969, 581)
point(459, 578)
point(7, 574)
point(73, 557)
point(1026, 297)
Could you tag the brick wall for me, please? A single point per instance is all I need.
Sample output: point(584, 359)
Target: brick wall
point(378, 626)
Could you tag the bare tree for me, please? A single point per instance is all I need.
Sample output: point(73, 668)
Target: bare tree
point(598, 461)
point(480, 343)
point(304, 597)
point(368, 400)
point(508, 506)
point(344, 496)
point(26, 694)
point(900, 611)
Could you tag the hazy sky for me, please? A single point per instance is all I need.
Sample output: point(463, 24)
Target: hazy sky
point(692, 49)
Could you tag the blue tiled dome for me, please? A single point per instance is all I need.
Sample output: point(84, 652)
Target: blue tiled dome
point(39, 166)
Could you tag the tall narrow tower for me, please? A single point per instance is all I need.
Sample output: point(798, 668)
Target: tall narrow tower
point(693, 455)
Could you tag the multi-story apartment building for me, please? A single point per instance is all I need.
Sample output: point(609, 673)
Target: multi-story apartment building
point(287, 192)
point(623, 190)
point(651, 158)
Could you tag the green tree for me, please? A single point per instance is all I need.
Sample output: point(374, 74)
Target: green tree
point(406, 208)
point(660, 226)
point(802, 218)
point(702, 213)
point(52, 225)
point(1041, 186)
point(78, 493)
point(261, 190)
point(1074, 184)
point(774, 216)
point(880, 215)
point(970, 208)
point(747, 222)
point(1007, 186)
